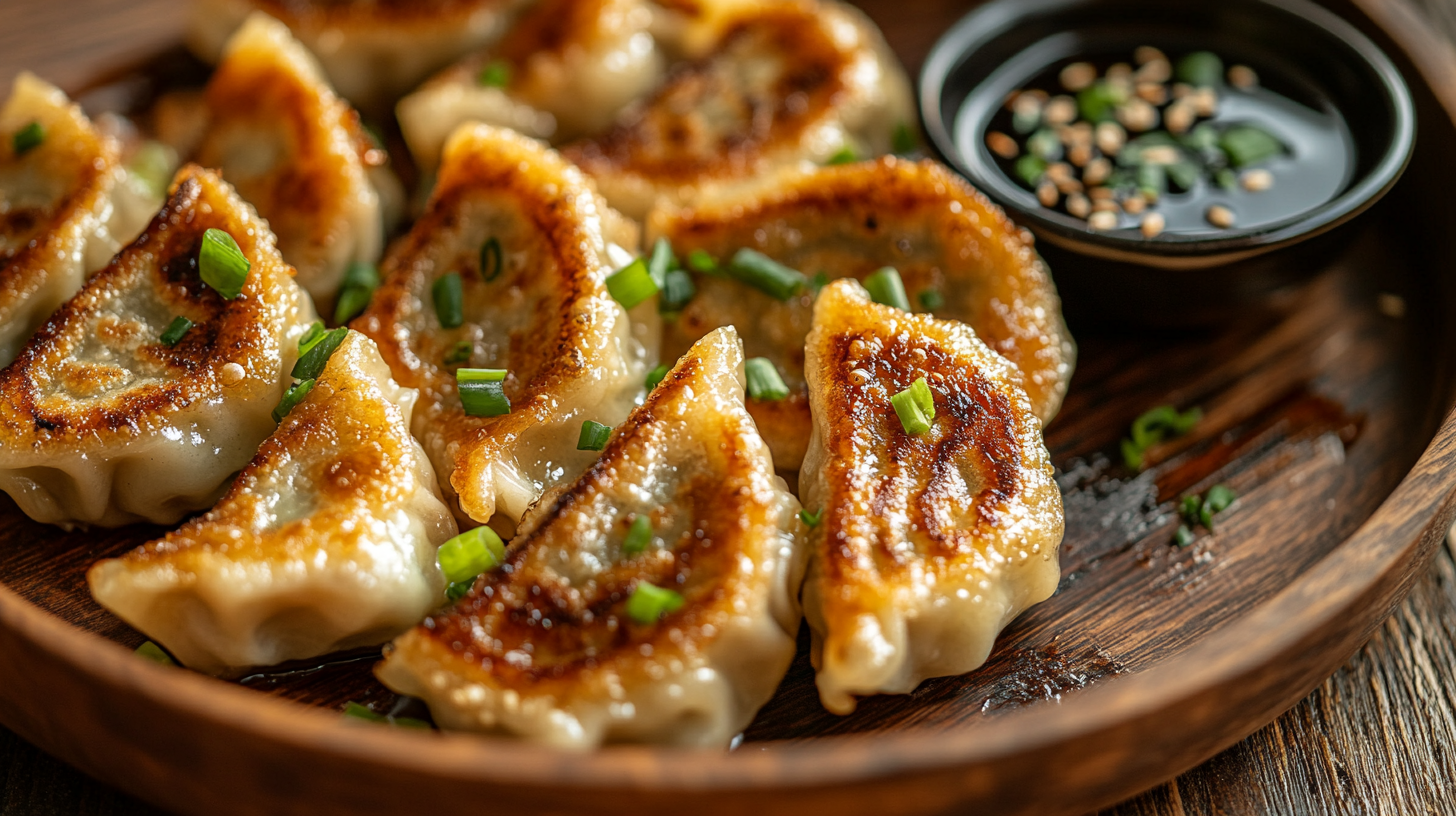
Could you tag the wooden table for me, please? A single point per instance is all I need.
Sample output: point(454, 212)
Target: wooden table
point(1378, 737)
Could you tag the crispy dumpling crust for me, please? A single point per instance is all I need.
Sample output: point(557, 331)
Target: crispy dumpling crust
point(65, 208)
point(326, 540)
point(790, 80)
point(297, 153)
point(544, 649)
point(546, 317)
point(849, 221)
point(100, 423)
point(929, 544)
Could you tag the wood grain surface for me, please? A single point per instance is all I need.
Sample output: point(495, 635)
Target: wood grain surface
point(1379, 736)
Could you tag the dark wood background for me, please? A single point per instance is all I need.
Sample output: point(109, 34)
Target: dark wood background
point(1378, 737)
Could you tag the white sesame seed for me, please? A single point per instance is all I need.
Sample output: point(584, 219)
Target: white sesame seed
point(1220, 216)
point(1152, 224)
point(1257, 180)
point(1103, 221)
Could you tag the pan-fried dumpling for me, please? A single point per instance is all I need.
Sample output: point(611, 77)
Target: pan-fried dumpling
point(296, 152)
point(102, 422)
point(954, 250)
point(564, 70)
point(524, 237)
point(653, 600)
point(929, 541)
point(65, 206)
point(326, 540)
point(374, 52)
point(790, 81)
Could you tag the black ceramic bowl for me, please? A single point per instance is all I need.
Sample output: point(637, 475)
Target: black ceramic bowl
point(1301, 50)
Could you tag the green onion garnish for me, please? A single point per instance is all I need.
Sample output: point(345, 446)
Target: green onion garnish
point(632, 284)
point(221, 264)
point(481, 391)
point(819, 281)
point(700, 261)
point(915, 406)
point(1246, 145)
point(904, 139)
point(594, 436)
point(1030, 169)
point(360, 281)
point(495, 74)
point(886, 287)
point(930, 299)
point(28, 138)
point(491, 262)
point(648, 603)
point(1161, 423)
point(811, 519)
point(175, 330)
point(677, 290)
point(355, 711)
point(154, 653)
point(152, 167)
point(844, 155)
point(1197, 510)
point(661, 261)
point(291, 398)
point(313, 356)
point(1184, 536)
point(638, 536)
point(765, 274)
point(311, 335)
point(459, 353)
point(468, 555)
point(1201, 69)
point(448, 292)
point(764, 382)
point(656, 376)
point(458, 590)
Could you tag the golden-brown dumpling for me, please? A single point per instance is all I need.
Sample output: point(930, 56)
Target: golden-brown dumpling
point(324, 542)
point(66, 206)
point(528, 237)
point(849, 221)
point(554, 647)
point(101, 422)
point(929, 543)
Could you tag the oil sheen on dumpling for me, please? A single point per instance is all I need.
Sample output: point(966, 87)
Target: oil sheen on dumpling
point(945, 238)
point(326, 540)
point(544, 315)
point(546, 647)
point(374, 51)
point(101, 423)
point(65, 207)
point(564, 70)
point(296, 152)
point(790, 80)
point(928, 543)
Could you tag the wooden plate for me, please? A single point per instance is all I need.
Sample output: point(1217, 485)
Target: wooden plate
point(1329, 417)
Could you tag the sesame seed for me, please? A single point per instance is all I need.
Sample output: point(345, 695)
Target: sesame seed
point(1220, 216)
point(1152, 225)
point(1103, 221)
point(1257, 180)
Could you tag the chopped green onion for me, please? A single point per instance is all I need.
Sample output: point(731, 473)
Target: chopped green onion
point(844, 155)
point(1161, 423)
point(1030, 169)
point(314, 356)
point(154, 653)
point(1201, 137)
point(764, 382)
point(1197, 510)
point(28, 138)
point(1045, 144)
point(152, 167)
point(811, 519)
point(1219, 498)
point(1246, 145)
point(1201, 69)
point(765, 274)
point(466, 556)
point(355, 711)
point(886, 287)
point(661, 261)
point(700, 261)
point(311, 335)
point(656, 376)
point(915, 406)
point(1184, 536)
point(594, 436)
point(459, 353)
point(1098, 102)
point(491, 261)
point(1184, 173)
point(632, 284)
point(1226, 179)
point(1190, 508)
point(678, 289)
point(1152, 181)
point(458, 589)
point(930, 299)
point(904, 139)
point(819, 281)
point(360, 281)
point(291, 398)
point(648, 603)
point(495, 74)
point(221, 264)
point(175, 331)
point(481, 391)
point(448, 292)
point(638, 536)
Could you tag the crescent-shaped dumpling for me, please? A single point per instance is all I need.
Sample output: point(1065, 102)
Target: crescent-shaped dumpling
point(928, 542)
point(528, 238)
point(374, 52)
point(297, 153)
point(101, 422)
point(564, 70)
point(559, 646)
point(953, 249)
point(66, 206)
point(791, 80)
point(325, 541)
